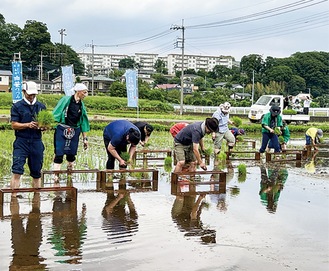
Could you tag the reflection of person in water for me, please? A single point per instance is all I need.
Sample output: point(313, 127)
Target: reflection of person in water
point(186, 213)
point(120, 223)
point(68, 229)
point(26, 242)
point(310, 165)
point(271, 185)
point(220, 199)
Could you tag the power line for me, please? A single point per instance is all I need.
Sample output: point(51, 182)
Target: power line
point(259, 15)
point(293, 26)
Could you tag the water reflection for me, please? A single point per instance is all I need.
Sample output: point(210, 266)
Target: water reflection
point(68, 230)
point(310, 165)
point(271, 185)
point(120, 216)
point(26, 241)
point(220, 198)
point(186, 212)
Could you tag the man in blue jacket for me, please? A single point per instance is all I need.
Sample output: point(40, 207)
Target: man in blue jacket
point(117, 136)
point(28, 143)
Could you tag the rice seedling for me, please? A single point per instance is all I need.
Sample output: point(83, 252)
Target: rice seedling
point(125, 156)
point(168, 161)
point(237, 121)
point(277, 130)
point(281, 139)
point(242, 169)
point(221, 156)
point(208, 151)
point(45, 119)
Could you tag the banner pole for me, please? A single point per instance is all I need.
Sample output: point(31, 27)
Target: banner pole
point(137, 113)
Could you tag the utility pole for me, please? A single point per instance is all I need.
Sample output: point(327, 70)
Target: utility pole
point(175, 27)
point(92, 65)
point(62, 33)
point(41, 71)
point(253, 87)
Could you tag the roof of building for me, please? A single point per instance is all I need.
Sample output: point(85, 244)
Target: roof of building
point(4, 72)
point(167, 86)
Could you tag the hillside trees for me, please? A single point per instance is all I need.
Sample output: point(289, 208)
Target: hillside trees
point(32, 41)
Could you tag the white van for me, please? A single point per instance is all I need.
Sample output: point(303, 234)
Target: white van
point(263, 105)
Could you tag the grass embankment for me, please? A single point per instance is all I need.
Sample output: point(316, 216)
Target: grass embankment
point(103, 109)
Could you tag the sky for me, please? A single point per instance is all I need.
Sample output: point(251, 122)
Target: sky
point(277, 28)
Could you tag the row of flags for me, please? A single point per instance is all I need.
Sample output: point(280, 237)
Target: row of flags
point(68, 83)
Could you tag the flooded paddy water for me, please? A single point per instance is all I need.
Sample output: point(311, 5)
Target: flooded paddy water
point(275, 218)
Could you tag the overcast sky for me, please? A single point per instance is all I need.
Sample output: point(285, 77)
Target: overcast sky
point(275, 28)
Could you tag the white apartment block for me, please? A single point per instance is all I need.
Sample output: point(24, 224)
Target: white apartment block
point(103, 63)
point(146, 62)
point(197, 62)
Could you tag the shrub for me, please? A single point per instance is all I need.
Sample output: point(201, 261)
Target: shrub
point(289, 112)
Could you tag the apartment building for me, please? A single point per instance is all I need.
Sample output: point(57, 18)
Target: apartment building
point(146, 62)
point(103, 63)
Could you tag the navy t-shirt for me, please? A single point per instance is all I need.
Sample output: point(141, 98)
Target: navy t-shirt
point(192, 133)
point(116, 132)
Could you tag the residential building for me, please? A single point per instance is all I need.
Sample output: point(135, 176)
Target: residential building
point(103, 63)
point(101, 83)
point(5, 79)
point(146, 62)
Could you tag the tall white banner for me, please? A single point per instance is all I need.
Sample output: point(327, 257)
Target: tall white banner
point(132, 88)
point(67, 75)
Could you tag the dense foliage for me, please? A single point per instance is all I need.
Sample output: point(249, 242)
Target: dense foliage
point(32, 42)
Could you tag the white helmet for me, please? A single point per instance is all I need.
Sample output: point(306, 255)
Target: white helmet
point(225, 107)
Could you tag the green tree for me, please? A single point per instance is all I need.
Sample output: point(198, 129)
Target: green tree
point(222, 73)
point(9, 43)
point(159, 79)
point(65, 55)
point(118, 89)
point(116, 74)
point(296, 85)
point(279, 74)
point(160, 66)
point(127, 63)
point(33, 38)
point(252, 63)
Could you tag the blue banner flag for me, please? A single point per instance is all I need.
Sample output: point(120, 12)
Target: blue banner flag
point(67, 75)
point(132, 88)
point(17, 81)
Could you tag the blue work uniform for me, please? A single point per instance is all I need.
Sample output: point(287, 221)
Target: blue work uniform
point(28, 143)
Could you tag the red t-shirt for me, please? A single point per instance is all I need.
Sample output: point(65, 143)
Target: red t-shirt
point(177, 127)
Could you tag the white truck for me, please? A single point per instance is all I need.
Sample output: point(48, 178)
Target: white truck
point(263, 105)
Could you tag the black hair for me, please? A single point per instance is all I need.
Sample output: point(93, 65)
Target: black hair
point(134, 136)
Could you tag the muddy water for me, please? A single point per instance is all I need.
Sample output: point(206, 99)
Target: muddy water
point(276, 218)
